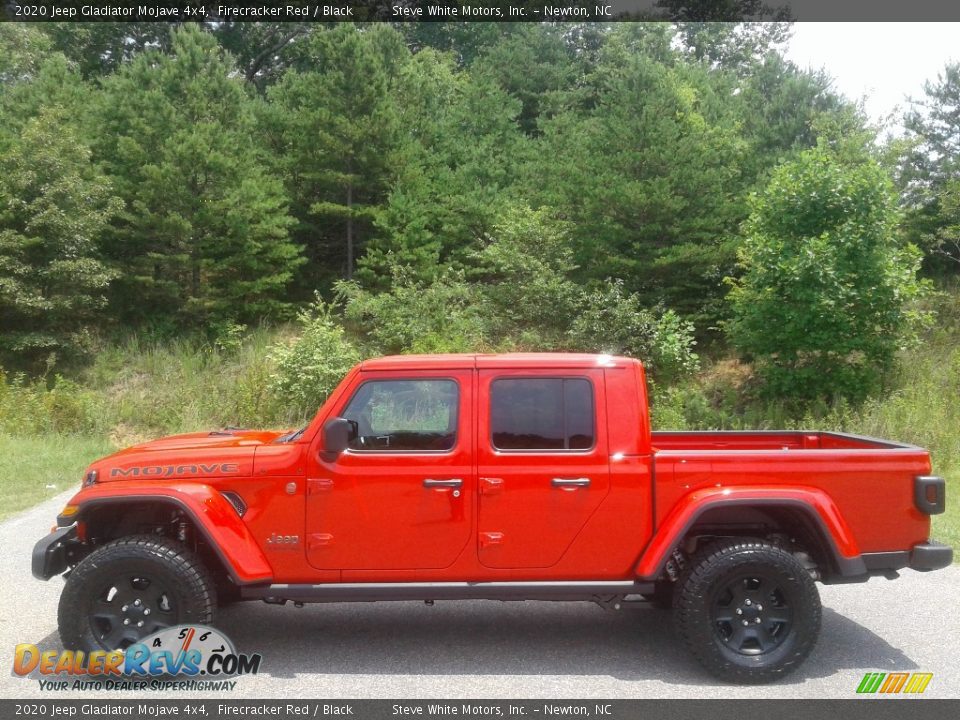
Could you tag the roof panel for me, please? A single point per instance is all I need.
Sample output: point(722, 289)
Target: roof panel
point(550, 360)
point(420, 362)
point(501, 361)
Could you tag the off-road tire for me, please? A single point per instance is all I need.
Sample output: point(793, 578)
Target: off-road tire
point(729, 579)
point(170, 582)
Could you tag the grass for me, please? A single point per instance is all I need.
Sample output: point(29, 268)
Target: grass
point(152, 388)
point(924, 411)
point(34, 469)
point(52, 428)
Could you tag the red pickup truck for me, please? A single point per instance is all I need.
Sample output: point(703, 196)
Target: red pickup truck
point(508, 477)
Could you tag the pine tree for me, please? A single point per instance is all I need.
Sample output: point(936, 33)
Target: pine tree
point(779, 107)
point(204, 232)
point(930, 171)
point(54, 205)
point(336, 131)
point(23, 48)
point(650, 175)
point(464, 152)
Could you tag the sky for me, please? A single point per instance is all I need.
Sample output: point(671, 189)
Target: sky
point(883, 61)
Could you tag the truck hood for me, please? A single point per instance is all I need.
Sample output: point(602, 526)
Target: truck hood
point(221, 453)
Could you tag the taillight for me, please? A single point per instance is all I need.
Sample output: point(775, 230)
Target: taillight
point(929, 494)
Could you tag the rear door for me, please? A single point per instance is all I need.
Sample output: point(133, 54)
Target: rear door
point(542, 463)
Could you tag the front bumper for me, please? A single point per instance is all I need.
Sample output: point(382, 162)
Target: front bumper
point(51, 553)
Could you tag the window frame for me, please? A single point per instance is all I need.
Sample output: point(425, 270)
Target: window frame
point(545, 451)
point(382, 451)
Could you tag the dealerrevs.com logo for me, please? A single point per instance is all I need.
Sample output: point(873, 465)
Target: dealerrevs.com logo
point(185, 657)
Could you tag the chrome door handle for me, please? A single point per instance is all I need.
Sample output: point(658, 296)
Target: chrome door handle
point(570, 482)
point(451, 483)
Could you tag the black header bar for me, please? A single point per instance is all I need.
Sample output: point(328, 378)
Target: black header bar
point(477, 10)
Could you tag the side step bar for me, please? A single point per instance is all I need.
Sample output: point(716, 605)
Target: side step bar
point(373, 592)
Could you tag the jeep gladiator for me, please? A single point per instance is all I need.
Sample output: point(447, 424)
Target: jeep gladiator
point(508, 477)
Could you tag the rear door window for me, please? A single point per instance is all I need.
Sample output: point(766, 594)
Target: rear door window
point(542, 414)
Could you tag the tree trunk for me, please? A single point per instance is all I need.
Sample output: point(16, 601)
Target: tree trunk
point(349, 231)
point(194, 273)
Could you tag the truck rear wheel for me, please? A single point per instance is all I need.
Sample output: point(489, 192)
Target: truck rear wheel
point(132, 588)
point(748, 610)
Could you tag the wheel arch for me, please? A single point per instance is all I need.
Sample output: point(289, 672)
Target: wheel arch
point(809, 515)
point(221, 533)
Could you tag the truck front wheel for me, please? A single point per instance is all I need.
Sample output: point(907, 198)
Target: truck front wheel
point(748, 610)
point(131, 588)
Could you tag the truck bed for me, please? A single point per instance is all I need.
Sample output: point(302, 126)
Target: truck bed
point(768, 440)
point(854, 471)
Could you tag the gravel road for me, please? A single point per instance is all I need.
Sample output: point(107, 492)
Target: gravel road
point(515, 650)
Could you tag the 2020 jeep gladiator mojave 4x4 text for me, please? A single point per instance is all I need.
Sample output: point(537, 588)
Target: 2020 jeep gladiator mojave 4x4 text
point(508, 477)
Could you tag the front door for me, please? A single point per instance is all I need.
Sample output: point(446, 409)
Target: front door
point(400, 496)
point(542, 464)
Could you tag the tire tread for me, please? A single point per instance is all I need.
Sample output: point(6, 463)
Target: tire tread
point(692, 612)
point(196, 582)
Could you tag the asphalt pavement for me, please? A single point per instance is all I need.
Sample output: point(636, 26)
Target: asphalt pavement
point(529, 650)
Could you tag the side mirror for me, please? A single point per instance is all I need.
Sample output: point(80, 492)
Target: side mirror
point(337, 433)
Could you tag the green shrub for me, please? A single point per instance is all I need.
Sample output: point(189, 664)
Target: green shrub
point(518, 295)
point(31, 407)
point(227, 336)
point(309, 368)
point(446, 315)
point(609, 320)
point(824, 302)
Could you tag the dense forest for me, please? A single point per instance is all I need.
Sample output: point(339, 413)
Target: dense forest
point(642, 188)
point(207, 224)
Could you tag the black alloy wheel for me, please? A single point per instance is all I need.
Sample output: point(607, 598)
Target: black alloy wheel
point(131, 588)
point(131, 607)
point(751, 614)
point(748, 610)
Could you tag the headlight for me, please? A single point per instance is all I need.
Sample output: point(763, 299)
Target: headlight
point(90, 479)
